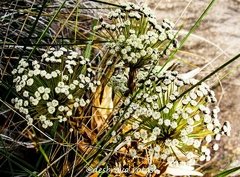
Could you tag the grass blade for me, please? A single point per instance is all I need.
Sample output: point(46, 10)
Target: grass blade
point(228, 172)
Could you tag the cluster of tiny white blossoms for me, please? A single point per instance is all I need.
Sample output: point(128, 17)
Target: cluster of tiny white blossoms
point(178, 131)
point(54, 88)
point(135, 36)
point(119, 79)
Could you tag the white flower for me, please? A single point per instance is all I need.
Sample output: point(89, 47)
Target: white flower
point(63, 49)
point(47, 90)
point(36, 72)
point(157, 148)
point(81, 85)
point(20, 102)
point(197, 117)
point(82, 102)
point(24, 77)
point(160, 121)
point(45, 96)
point(30, 81)
point(166, 110)
point(70, 96)
point(57, 90)
point(208, 138)
point(156, 115)
point(48, 76)
point(72, 86)
point(18, 88)
point(188, 110)
point(124, 51)
point(45, 55)
point(217, 137)
point(76, 105)
point(50, 123)
point(43, 73)
point(21, 70)
point(54, 74)
point(61, 84)
point(26, 93)
point(190, 121)
point(185, 115)
point(70, 71)
point(167, 122)
point(169, 105)
point(41, 89)
point(75, 82)
point(210, 126)
point(35, 102)
point(42, 118)
point(14, 71)
point(136, 135)
point(174, 125)
point(58, 53)
point(189, 129)
point(93, 89)
point(30, 121)
point(25, 103)
point(208, 157)
point(128, 139)
point(190, 155)
point(202, 158)
point(196, 144)
point(61, 108)
point(51, 109)
point(215, 147)
point(87, 79)
point(54, 103)
point(69, 113)
point(44, 126)
point(170, 159)
point(37, 94)
point(207, 118)
point(164, 156)
point(66, 108)
point(135, 125)
point(74, 54)
point(132, 152)
point(227, 128)
point(156, 131)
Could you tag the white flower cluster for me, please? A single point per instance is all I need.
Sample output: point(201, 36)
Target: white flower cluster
point(135, 35)
point(178, 131)
point(119, 80)
point(54, 88)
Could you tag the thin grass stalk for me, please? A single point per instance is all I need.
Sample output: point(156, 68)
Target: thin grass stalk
point(46, 29)
point(107, 3)
point(30, 33)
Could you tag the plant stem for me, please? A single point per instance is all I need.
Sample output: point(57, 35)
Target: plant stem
point(131, 82)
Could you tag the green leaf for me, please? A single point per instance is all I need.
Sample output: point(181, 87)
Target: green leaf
point(88, 50)
point(228, 172)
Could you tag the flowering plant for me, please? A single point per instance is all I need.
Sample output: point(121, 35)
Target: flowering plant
point(118, 104)
point(55, 88)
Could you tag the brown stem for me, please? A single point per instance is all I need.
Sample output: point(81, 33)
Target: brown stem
point(131, 80)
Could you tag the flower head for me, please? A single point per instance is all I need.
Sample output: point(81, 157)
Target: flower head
point(48, 89)
point(183, 131)
point(135, 36)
